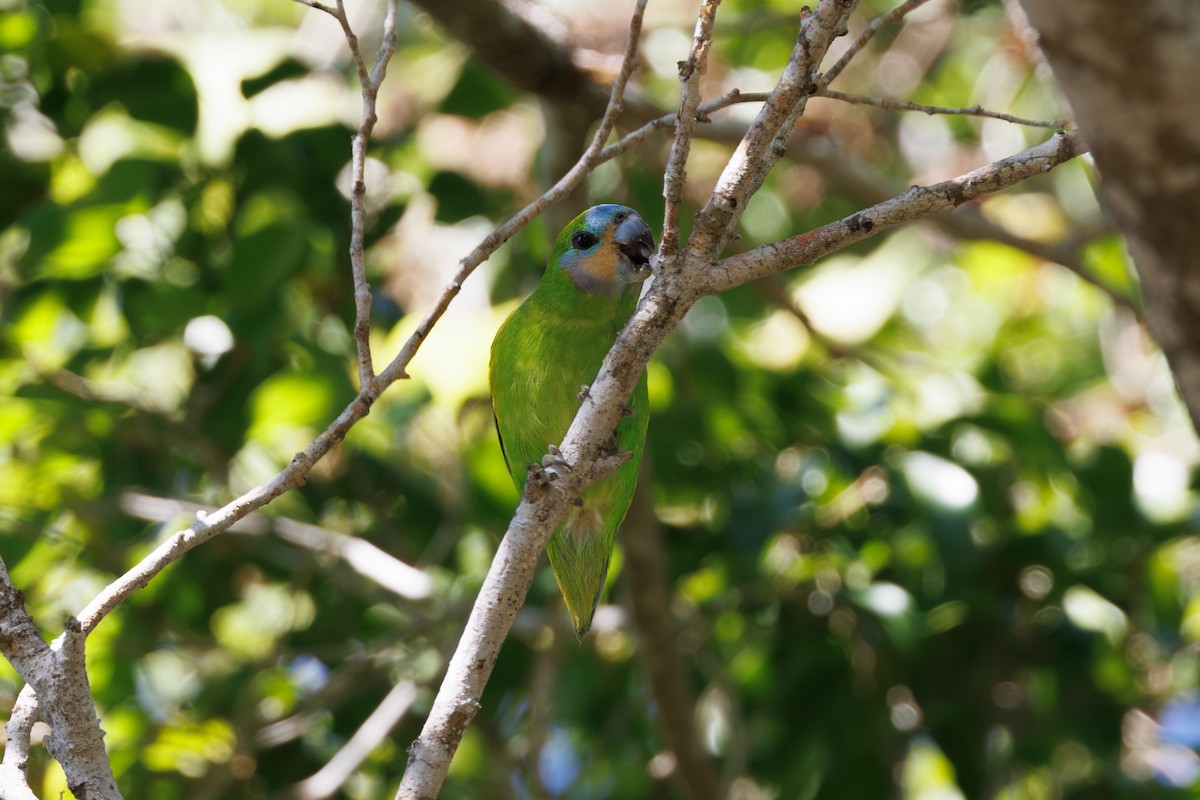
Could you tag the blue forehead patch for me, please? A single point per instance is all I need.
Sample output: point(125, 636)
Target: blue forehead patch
point(599, 216)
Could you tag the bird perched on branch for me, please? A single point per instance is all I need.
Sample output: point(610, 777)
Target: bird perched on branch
point(549, 348)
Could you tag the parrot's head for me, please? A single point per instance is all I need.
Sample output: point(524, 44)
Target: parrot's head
point(605, 250)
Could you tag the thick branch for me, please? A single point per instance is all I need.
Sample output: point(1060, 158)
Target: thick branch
point(58, 675)
point(524, 44)
point(508, 579)
point(916, 203)
point(853, 178)
point(500, 598)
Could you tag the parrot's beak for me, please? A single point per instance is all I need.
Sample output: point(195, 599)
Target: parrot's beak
point(635, 240)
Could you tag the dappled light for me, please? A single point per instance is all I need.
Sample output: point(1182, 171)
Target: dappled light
point(923, 514)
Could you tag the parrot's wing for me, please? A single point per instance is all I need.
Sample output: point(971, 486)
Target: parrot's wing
point(500, 436)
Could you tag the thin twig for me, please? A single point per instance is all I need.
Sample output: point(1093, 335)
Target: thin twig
point(691, 72)
point(210, 525)
point(360, 66)
point(326, 781)
point(319, 7)
point(369, 83)
point(360, 555)
point(867, 34)
point(102, 392)
point(972, 111)
point(763, 144)
point(639, 135)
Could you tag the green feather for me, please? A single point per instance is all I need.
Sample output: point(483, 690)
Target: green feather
point(547, 349)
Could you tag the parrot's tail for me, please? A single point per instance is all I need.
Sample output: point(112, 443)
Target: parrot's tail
point(579, 552)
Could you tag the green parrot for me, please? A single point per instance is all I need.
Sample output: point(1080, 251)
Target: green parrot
point(550, 348)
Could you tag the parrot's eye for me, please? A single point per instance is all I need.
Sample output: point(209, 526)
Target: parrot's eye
point(582, 240)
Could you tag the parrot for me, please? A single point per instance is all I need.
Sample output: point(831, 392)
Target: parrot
point(549, 349)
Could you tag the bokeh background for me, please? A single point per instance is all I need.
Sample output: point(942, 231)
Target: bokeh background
point(926, 511)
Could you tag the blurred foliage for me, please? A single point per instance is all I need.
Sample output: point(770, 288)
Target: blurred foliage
point(940, 544)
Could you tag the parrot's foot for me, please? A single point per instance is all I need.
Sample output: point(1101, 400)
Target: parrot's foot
point(627, 411)
point(553, 462)
point(583, 393)
point(609, 463)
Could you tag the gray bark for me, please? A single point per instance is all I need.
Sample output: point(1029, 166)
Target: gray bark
point(1131, 74)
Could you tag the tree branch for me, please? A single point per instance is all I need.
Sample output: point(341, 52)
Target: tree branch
point(916, 203)
point(372, 733)
point(296, 473)
point(500, 597)
point(58, 675)
point(640, 135)
point(523, 43)
point(360, 555)
point(545, 500)
point(661, 310)
point(547, 495)
point(854, 179)
point(57, 672)
point(511, 573)
point(867, 34)
point(369, 83)
point(14, 770)
point(691, 72)
point(765, 141)
point(972, 111)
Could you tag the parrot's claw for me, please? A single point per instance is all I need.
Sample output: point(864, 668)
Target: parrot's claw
point(583, 392)
point(627, 412)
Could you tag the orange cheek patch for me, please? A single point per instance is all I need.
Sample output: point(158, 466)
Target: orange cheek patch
point(602, 264)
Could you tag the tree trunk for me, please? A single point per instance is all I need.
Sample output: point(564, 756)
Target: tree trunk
point(1131, 73)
